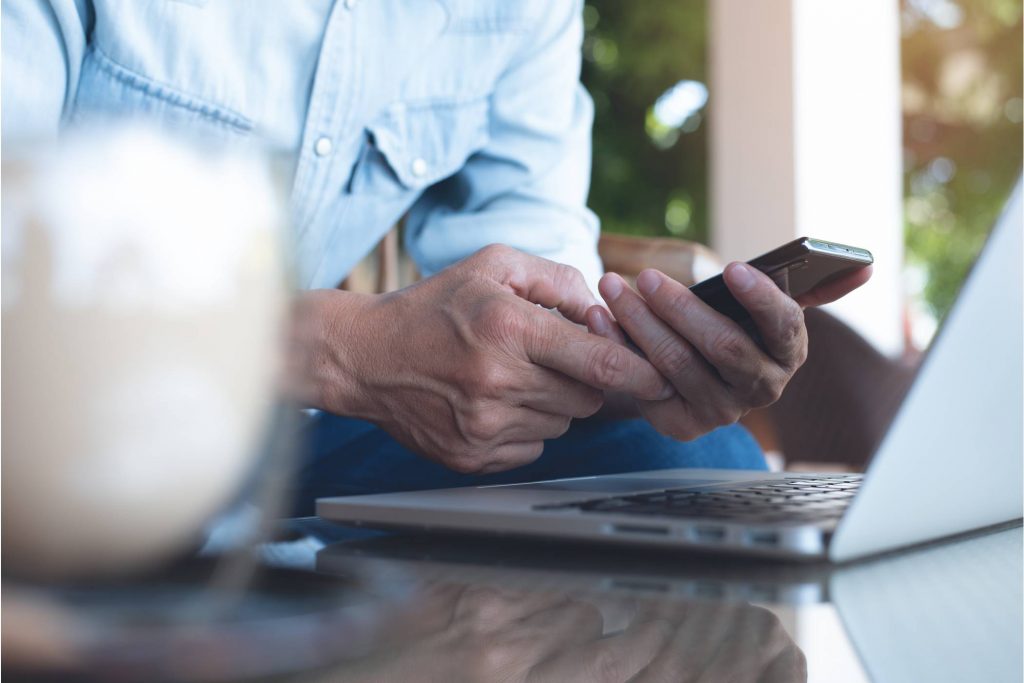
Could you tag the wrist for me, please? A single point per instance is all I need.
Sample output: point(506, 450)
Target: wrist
point(330, 346)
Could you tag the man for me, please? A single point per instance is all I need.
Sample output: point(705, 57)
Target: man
point(466, 117)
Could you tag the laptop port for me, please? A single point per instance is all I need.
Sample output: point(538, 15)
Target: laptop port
point(709, 534)
point(763, 538)
point(708, 590)
point(639, 529)
point(641, 586)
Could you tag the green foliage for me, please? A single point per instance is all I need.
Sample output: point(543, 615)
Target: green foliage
point(648, 179)
point(962, 133)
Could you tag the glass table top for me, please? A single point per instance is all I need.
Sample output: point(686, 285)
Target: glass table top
point(501, 609)
point(337, 604)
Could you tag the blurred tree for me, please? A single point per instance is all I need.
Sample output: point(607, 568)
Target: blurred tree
point(645, 65)
point(649, 176)
point(962, 81)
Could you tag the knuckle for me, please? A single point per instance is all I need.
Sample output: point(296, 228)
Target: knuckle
point(678, 430)
point(563, 427)
point(728, 349)
point(606, 665)
point(482, 606)
point(800, 354)
point(761, 391)
point(680, 302)
point(714, 414)
point(630, 308)
point(772, 392)
point(465, 463)
point(483, 426)
point(688, 433)
point(495, 253)
point(499, 320)
point(767, 623)
point(589, 404)
point(568, 277)
point(672, 357)
point(793, 333)
point(607, 366)
point(495, 660)
point(533, 451)
point(486, 379)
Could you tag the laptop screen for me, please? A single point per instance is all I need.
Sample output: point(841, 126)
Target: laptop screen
point(955, 447)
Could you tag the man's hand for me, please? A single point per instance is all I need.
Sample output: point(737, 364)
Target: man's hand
point(465, 367)
point(718, 371)
point(487, 632)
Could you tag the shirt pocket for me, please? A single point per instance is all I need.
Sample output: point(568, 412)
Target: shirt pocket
point(411, 147)
point(108, 90)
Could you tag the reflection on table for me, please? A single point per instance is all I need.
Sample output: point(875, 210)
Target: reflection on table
point(947, 612)
point(443, 608)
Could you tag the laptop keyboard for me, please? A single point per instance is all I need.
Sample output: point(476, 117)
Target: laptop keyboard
point(795, 500)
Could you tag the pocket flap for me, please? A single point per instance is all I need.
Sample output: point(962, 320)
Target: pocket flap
point(426, 144)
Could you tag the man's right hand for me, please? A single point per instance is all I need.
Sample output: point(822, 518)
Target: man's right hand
point(465, 367)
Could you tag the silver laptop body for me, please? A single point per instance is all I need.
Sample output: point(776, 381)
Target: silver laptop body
point(951, 461)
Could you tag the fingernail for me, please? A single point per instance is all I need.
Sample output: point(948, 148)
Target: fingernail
point(742, 277)
point(668, 392)
point(612, 287)
point(648, 282)
point(599, 322)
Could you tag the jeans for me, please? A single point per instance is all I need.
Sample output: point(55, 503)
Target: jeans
point(352, 457)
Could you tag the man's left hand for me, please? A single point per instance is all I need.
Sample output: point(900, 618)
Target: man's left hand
point(719, 372)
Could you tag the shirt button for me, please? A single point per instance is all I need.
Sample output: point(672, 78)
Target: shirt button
point(323, 147)
point(350, 4)
point(419, 167)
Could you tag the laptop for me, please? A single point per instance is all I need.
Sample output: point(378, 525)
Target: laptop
point(950, 462)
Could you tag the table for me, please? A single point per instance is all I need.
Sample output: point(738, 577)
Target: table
point(448, 608)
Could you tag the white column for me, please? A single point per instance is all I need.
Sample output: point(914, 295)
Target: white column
point(805, 139)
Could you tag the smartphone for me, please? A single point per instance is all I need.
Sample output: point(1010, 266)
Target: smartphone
point(796, 267)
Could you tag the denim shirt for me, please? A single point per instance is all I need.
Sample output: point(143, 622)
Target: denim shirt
point(464, 116)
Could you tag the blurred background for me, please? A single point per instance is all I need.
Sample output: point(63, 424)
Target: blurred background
point(647, 67)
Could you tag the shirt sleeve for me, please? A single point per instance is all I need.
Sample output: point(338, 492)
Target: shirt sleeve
point(527, 187)
point(44, 43)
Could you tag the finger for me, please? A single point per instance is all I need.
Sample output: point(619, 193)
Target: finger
point(831, 290)
point(507, 456)
point(700, 631)
point(789, 665)
point(563, 626)
point(743, 645)
point(779, 318)
point(511, 650)
point(719, 340)
point(668, 351)
point(613, 659)
point(599, 321)
point(680, 419)
point(544, 282)
point(552, 392)
point(527, 424)
point(488, 608)
point(592, 360)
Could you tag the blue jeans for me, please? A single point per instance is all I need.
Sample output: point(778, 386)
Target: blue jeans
point(353, 457)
